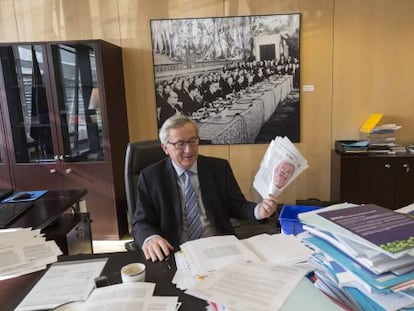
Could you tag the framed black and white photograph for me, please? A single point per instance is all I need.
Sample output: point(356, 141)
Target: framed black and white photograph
point(237, 77)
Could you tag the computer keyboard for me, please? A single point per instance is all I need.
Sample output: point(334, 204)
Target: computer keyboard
point(10, 211)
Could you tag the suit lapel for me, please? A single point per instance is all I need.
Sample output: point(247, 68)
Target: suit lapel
point(205, 179)
point(174, 192)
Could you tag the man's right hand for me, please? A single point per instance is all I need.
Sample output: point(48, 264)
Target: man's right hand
point(157, 248)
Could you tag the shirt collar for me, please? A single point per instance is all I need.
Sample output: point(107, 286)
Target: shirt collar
point(180, 170)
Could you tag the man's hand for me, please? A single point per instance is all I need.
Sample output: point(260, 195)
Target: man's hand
point(267, 207)
point(157, 248)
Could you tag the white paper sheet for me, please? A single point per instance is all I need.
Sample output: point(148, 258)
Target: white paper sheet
point(249, 286)
point(281, 164)
point(62, 283)
point(125, 296)
point(278, 248)
point(210, 254)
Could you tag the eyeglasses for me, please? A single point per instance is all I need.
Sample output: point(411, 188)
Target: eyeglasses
point(180, 145)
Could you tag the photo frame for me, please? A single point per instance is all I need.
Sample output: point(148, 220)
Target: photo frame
point(238, 77)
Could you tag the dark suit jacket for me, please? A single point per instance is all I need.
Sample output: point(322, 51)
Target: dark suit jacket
point(159, 211)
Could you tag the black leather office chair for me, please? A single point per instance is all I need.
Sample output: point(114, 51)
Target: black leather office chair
point(138, 155)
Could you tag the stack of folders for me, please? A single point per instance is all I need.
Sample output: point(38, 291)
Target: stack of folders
point(364, 255)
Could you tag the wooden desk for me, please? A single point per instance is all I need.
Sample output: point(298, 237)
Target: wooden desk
point(70, 231)
point(48, 208)
point(14, 290)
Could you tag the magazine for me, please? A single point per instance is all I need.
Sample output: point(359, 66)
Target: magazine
point(280, 166)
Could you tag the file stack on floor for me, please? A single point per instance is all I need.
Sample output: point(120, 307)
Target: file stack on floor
point(364, 255)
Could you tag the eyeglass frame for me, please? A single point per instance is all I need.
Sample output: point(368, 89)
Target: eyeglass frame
point(192, 142)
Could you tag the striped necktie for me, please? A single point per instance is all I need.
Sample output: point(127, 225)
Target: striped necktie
point(194, 228)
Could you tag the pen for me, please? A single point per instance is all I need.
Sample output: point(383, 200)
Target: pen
point(167, 260)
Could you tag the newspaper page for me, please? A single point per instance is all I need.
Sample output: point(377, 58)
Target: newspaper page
point(280, 166)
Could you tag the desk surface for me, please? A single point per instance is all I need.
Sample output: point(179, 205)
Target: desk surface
point(14, 290)
point(48, 208)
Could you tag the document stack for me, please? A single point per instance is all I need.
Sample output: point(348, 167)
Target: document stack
point(280, 166)
point(24, 251)
point(364, 255)
point(261, 273)
point(381, 138)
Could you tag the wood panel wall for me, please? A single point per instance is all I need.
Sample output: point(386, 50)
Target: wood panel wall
point(356, 53)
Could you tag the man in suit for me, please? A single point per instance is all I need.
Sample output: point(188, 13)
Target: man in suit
point(159, 223)
point(190, 102)
point(169, 108)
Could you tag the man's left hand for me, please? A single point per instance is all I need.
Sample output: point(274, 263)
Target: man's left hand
point(267, 207)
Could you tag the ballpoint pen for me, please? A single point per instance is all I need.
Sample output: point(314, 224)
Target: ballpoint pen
point(167, 260)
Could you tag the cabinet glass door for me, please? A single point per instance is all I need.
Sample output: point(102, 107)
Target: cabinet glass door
point(23, 69)
point(79, 102)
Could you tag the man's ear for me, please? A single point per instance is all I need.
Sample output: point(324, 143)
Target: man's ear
point(164, 147)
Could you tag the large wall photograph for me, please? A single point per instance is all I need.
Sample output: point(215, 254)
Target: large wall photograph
point(237, 77)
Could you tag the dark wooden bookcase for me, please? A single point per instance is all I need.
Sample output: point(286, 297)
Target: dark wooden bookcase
point(63, 111)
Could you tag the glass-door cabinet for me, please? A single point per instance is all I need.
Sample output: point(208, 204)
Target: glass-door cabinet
point(26, 111)
point(59, 101)
point(79, 103)
point(6, 180)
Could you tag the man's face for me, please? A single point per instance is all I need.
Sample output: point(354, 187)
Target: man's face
point(282, 174)
point(187, 156)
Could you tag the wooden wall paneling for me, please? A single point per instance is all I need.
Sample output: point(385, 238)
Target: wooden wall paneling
point(245, 161)
point(373, 65)
point(8, 26)
point(316, 69)
point(45, 20)
point(135, 19)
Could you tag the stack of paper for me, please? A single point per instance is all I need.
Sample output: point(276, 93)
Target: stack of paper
point(71, 286)
point(24, 251)
point(281, 164)
point(263, 272)
point(202, 258)
point(364, 255)
point(381, 138)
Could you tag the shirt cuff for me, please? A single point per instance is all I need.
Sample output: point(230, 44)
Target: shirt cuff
point(150, 237)
point(256, 212)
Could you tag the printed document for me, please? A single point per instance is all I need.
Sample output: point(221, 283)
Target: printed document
point(64, 282)
point(24, 251)
point(281, 164)
point(210, 254)
point(249, 286)
point(124, 296)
